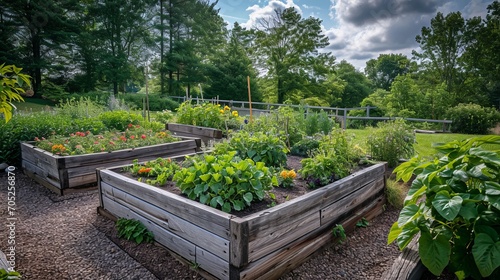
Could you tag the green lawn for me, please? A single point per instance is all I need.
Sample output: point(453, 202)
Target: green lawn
point(423, 147)
point(33, 105)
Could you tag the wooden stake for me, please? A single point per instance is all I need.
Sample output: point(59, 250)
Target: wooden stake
point(249, 97)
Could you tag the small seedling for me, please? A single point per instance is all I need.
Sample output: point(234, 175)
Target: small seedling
point(362, 223)
point(339, 232)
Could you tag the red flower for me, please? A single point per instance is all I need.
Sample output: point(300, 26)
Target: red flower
point(132, 136)
point(130, 125)
point(123, 138)
point(143, 136)
point(37, 139)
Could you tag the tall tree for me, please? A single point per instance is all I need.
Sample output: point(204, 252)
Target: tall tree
point(285, 42)
point(443, 44)
point(385, 68)
point(357, 85)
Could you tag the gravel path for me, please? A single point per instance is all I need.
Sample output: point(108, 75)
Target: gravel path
point(65, 238)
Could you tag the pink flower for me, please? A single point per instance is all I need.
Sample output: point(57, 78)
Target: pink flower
point(96, 142)
point(132, 136)
point(37, 139)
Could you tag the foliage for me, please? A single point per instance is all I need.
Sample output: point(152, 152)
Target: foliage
point(286, 177)
point(164, 116)
point(454, 203)
point(9, 275)
point(160, 169)
point(133, 230)
point(304, 147)
point(208, 115)
point(53, 92)
point(119, 120)
point(225, 181)
point(395, 193)
point(331, 161)
point(385, 68)
point(11, 88)
point(156, 102)
point(338, 231)
point(318, 122)
point(259, 147)
point(472, 118)
point(83, 107)
point(80, 143)
point(362, 223)
point(357, 86)
point(391, 141)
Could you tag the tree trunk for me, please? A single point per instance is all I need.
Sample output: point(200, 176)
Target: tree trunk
point(162, 51)
point(37, 72)
point(281, 91)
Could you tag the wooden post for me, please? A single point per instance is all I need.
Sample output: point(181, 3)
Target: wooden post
point(344, 122)
point(368, 111)
point(249, 97)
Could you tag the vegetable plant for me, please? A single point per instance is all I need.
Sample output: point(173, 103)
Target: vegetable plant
point(454, 203)
point(161, 170)
point(225, 181)
point(133, 230)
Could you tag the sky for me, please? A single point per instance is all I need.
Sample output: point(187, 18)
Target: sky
point(358, 30)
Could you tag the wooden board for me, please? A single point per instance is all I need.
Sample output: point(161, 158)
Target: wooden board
point(171, 223)
point(212, 264)
point(407, 265)
point(204, 216)
point(197, 131)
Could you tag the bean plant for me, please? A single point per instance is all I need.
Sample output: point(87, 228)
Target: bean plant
point(454, 204)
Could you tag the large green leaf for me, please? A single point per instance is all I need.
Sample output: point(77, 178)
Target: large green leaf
point(248, 197)
point(393, 233)
point(434, 252)
point(408, 213)
point(486, 253)
point(205, 177)
point(487, 156)
point(407, 234)
point(446, 206)
point(492, 188)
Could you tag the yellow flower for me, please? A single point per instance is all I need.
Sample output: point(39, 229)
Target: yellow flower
point(226, 108)
point(221, 111)
point(292, 174)
point(235, 113)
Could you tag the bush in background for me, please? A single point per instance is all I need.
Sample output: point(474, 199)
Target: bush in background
point(119, 119)
point(156, 102)
point(472, 118)
point(391, 141)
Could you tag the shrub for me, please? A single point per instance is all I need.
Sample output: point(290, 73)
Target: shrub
point(304, 147)
point(391, 141)
point(156, 102)
point(259, 147)
point(225, 181)
point(454, 203)
point(10, 88)
point(208, 115)
point(119, 120)
point(331, 161)
point(472, 118)
point(318, 122)
point(83, 107)
point(395, 193)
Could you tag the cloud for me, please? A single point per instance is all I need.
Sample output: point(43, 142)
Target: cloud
point(364, 12)
point(257, 13)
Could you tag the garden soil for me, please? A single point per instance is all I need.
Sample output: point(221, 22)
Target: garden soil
point(64, 238)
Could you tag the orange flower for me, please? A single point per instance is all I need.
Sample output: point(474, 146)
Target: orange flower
point(58, 148)
point(144, 170)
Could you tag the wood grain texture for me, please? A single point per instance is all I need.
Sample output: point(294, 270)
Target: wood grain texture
point(204, 216)
point(407, 265)
point(193, 130)
point(212, 264)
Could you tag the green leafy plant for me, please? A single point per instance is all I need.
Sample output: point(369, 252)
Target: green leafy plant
point(304, 147)
point(208, 115)
point(9, 275)
point(161, 170)
point(225, 181)
point(331, 161)
point(454, 203)
point(362, 223)
point(391, 141)
point(11, 83)
point(131, 229)
point(259, 147)
point(119, 120)
point(338, 231)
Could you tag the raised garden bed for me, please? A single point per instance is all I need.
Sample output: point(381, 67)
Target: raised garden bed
point(206, 134)
point(263, 245)
point(65, 174)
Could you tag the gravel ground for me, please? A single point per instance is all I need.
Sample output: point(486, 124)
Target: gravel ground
point(64, 238)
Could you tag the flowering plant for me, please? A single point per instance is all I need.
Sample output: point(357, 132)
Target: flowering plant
point(208, 115)
point(286, 178)
point(80, 143)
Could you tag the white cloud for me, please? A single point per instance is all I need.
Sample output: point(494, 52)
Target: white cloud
point(257, 12)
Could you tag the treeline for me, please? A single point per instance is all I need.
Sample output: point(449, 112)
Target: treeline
point(184, 46)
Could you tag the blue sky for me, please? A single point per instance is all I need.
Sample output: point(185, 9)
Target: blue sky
point(358, 30)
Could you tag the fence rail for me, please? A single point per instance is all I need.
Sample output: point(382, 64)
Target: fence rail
point(341, 114)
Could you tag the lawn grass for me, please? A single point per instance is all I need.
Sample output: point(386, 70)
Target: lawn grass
point(424, 142)
point(33, 105)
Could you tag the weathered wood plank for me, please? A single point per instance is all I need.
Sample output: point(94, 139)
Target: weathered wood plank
point(211, 263)
point(170, 222)
point(204, 216)
point(32, 170)
point(271, 237)
point(285, 259)
point(239, 243)
point(96, 158)
point(407, 265)
point(46, 163)
point(351, 201)
point(173, 242)
point(195, 130)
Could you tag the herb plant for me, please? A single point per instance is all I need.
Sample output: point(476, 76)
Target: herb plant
point(225, 181)
point(338, 231)
point(454, 203)
point(133, 230)
point(362, 223)
point(161, 170)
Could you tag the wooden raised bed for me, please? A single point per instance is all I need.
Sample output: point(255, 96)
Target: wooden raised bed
point(65, 174)
point(263, 245)
point(204, 133)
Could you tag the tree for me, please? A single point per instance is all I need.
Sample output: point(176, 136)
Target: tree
point(357, 85)
point(443, 44)
point(385, 68)
point(285, 42)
